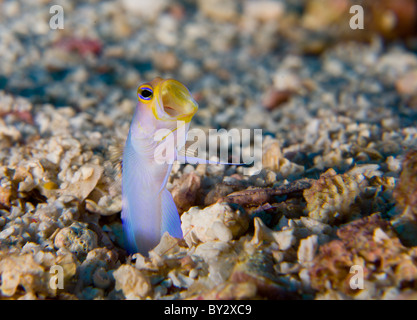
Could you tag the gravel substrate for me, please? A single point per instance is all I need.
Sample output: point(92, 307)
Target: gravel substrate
point(338, 186)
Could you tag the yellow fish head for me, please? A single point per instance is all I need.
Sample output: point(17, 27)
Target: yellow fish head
point(168, 99)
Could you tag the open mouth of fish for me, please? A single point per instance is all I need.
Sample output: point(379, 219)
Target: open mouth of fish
point(176, 101)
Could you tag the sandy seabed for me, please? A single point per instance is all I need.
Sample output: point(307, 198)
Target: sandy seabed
point(338, 186)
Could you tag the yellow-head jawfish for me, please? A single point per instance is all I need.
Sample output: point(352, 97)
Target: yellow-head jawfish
point(148, 209)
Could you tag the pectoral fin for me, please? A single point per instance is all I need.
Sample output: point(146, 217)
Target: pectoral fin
point(171, 221)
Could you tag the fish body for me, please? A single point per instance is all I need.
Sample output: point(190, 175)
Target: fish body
point(148, 209)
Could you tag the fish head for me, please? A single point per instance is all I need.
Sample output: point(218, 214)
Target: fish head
point(165, 109)
point(168, 99)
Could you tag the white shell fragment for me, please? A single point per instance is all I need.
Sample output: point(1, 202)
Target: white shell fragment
point(307, 249)
point(285, 239)
point(77, 238)
point(84, 181)
point(134, 284)
point(216, 222)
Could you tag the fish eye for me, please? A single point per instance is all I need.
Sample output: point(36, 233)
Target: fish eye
point(145, 93)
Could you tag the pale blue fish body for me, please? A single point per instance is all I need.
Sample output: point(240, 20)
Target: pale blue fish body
point(148, 209)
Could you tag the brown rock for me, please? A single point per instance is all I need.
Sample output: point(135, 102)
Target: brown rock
point(165, 61)
point(406, 191)
point(407, 84)
point(369, 242)
point(275, 98)
point(185, 191)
